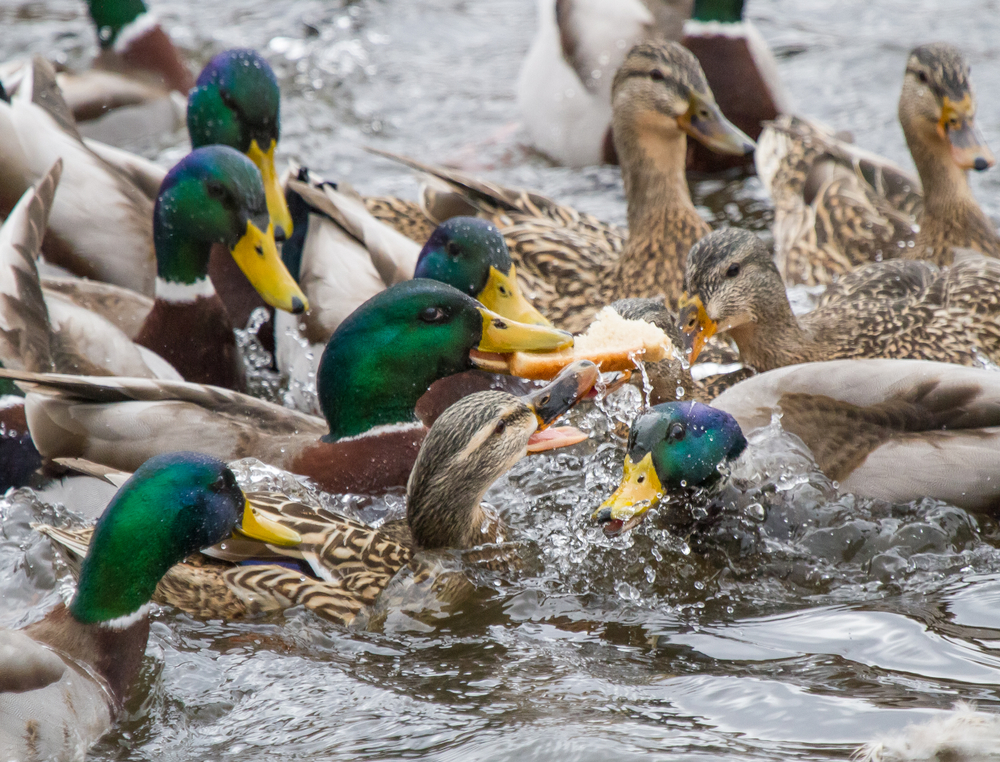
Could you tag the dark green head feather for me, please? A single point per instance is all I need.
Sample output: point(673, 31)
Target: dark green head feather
point(386, 354)
point(688, 440)
point(208, 197)
point(461, 251)
point(726, 11)
point(235, 101)
point(111, 16)
point(174, 505)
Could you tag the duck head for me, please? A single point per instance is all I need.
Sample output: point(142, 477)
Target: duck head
point(672, 447)
point(173, 505)
point(386, 354)
point(215, 195)
point(236, 102)
point(471, 255)
point(937, 108)
point(471, 445)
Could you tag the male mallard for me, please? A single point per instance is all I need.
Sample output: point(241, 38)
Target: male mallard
point(894, 430)
point(376, 366)
point(64, 678)
point(572, 263)
point(564, 89)
point(895, 309)
point(137, 83)
point(837, 207)
point(341, 565)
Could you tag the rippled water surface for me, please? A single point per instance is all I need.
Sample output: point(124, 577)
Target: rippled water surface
point(812, 624)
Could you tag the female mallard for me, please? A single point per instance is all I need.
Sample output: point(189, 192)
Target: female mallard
point(564, 89)
point(64, 678)
point(837, 207)
point(376, 367)
point(894, 430)
point(572, 263)
point(341, 565)
point(895, 309)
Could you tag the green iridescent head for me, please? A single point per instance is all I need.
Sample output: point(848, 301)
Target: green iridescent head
point(111, 16)
point(236, 103)
point(174, 505)
point(471, 255)
point(387, 353)
point(671, 447)
point(726, 11)
point(215, 195)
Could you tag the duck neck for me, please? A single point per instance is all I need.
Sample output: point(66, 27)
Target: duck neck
point(945, 184)
point(360, 397)
point(446, 512)
point(774, 339)
point(181, 263)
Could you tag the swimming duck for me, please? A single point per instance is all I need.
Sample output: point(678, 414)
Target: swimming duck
point(838, 207)
point(64, 678)
point(894, 309)
point(564, 89)
point(894, 430)
point(137, 83)
point(342, 565)
point(574, 264)
point(375, 368)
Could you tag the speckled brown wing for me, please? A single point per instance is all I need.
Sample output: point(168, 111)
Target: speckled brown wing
point(405, 216)
point(894, 279)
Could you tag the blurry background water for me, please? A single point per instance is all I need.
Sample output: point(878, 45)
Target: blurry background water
point(820, 625)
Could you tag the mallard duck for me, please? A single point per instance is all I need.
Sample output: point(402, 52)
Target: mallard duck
point(375, 368)
point(838, 207)
point(342, 256)
point(64, 678)
point(137, 84)
point(341, 566)
point(894, 430)
point(895, 309)
point(573, 264)
point(564, 89)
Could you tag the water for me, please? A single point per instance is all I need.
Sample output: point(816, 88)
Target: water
point(816, 624)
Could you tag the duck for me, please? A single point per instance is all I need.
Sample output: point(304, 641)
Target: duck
point(65, 677)
point(838, 207)
point(340, 567)
point(136, 85)
point(564, 87)
point(573, 264)
point(892, 430)
point(342, 256)
point(904, 309)
point(212, 195)
point(374, 371)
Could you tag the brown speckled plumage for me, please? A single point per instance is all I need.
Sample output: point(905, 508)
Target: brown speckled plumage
point(837, 207)
point(888, 310)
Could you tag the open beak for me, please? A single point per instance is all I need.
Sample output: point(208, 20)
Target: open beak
point(705, 122)
point(503, 336)
point(640, 490)
point(256, 253)
point(502, 295)
point(259, 528)
point(277, 207)
point(968, 146)
point(695, 325)
point(573, 383)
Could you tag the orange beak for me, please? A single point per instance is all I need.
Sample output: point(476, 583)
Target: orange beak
point(695, 325)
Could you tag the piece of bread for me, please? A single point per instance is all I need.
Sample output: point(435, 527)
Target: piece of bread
point(611, 341)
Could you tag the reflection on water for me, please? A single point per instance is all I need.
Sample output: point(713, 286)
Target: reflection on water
point(816, 624)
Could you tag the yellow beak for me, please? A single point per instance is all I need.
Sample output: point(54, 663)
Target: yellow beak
point(640, 490)
point(277, 207)
point(502, 335)
point(502, 295)
point(695, 325)
point(265, 530)
point(257, 255)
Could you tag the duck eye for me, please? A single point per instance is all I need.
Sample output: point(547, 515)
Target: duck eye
point(433, 314)
point(657, 76)
point(922, 76)
point(733, 270)
point(676, 432)
point(453, 249)
point(500, 428)
point(219, 484)
point(215, 189)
